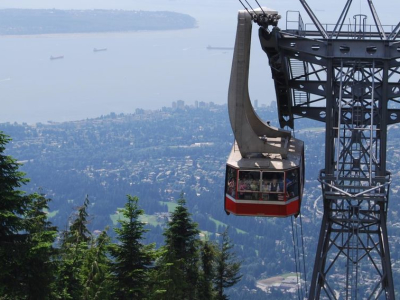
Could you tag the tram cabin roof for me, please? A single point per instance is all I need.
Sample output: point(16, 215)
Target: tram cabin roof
point(271, 161)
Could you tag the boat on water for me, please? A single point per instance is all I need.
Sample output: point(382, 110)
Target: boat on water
point(99, 49)
point(219, 48)
point(56, 57)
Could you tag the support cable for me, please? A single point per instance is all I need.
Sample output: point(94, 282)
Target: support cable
point(304, 257)
point(250, 6)
point(245, 7)
point(299, 257)
point(261, 8)
point(296, 260)
point(299, 254)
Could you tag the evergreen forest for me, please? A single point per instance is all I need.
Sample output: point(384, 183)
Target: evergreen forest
point(37, 261)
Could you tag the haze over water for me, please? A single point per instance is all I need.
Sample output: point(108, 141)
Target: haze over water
point(139, 69)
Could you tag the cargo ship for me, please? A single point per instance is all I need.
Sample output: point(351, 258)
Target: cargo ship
point(56, 57)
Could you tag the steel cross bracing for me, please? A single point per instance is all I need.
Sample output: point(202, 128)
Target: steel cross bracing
point(350, 80)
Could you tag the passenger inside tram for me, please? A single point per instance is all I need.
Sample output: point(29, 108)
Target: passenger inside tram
point(263, 185)
point(249, 185)
point(273, 185)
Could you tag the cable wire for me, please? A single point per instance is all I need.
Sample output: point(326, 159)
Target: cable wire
point(261, 8)
point(250, 6)
point(300, 257)
point(296, 260)
point(304, 257)
point(245, 7)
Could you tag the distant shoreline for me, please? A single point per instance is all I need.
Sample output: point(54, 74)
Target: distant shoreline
point(26, 22)
point(86, 34)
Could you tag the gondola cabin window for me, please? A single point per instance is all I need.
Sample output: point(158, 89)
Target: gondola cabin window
point(231, 181)
point(292, 184)
point(249, 185)
point(273, 186)
point(263, 192)
point(262, 185)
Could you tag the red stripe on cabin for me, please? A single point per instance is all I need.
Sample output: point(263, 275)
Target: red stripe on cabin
point(262, 209)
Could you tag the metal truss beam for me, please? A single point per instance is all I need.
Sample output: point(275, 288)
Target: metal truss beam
point(353, 86)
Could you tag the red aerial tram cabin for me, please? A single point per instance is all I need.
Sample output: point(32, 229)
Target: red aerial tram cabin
point(265, 185)
point(264, 171)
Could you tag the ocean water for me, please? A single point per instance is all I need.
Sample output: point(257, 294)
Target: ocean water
point(139, 69)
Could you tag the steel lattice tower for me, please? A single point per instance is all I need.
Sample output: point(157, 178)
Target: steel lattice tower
point(347, 76)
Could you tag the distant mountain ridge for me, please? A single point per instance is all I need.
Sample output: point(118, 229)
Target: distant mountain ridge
point(54, 21)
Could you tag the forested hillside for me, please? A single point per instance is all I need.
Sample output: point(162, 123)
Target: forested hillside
point(156, 155)
point(38, 261)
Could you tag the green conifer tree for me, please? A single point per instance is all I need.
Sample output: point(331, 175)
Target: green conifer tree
point(206, 289)
point(78, 231)
point(179, 262)
point(26, 237)
point(96, 269)
point(73, 251)
point(227, 267)
point(132, 259)
point(12, 225)
point(40, 264)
